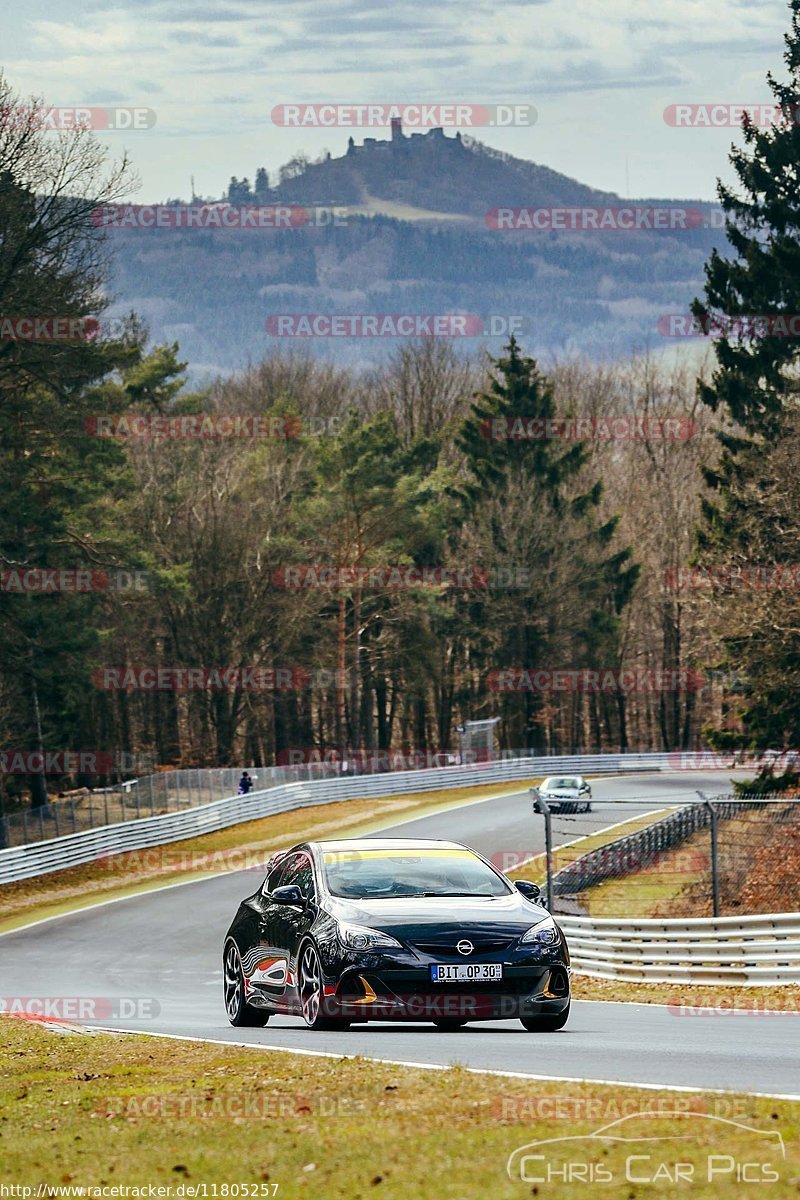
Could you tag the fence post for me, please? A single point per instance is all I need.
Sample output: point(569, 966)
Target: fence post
point(714, 855)
point(541, 806)
point(152, 795)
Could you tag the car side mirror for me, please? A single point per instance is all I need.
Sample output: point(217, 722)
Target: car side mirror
point(531, 891)
point(290, 894)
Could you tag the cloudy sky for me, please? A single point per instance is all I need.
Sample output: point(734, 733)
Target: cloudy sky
point(599, 75)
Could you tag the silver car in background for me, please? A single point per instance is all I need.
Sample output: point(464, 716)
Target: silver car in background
point(566, 793)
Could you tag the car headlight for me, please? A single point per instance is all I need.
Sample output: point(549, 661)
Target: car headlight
point(359, 937)
point(545, 933)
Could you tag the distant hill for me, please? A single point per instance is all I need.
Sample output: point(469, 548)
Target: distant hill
point(434, 172)
point(414, 240)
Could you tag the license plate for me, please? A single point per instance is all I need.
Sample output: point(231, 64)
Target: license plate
point(466, 972)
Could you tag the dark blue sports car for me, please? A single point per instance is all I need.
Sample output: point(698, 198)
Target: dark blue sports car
point(388, 929)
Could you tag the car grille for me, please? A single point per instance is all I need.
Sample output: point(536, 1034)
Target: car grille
point(483, 945)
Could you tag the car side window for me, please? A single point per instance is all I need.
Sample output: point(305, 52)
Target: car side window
point(275, 878)
point(299, 871)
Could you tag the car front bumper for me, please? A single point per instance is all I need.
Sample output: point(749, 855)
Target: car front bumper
point(410, 995)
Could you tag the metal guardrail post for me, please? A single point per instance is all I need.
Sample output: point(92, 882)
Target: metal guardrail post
point(714, 852)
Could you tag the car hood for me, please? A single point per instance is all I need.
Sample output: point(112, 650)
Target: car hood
point(405, 916)
point(566, 793)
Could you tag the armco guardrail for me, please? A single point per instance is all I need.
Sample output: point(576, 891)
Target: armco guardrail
point(755, 950)
point(177, 790)
point(55, 854)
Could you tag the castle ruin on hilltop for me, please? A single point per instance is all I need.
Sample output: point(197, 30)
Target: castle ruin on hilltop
point(398, 141)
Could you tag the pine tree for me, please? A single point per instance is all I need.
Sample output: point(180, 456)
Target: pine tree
point(755, 386)
point(261, 188)
point(527, 495)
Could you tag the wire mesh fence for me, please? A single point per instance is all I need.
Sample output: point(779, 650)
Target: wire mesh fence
point(167, 791)
point(171, 791)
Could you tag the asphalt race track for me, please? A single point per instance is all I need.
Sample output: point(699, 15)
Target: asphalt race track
point(153, 963)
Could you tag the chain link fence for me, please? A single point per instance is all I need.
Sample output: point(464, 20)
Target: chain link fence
point(723, 856)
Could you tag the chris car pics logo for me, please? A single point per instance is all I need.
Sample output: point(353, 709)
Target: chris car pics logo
point(674, 1152)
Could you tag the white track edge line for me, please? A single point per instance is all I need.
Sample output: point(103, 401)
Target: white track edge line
point(399, 1062)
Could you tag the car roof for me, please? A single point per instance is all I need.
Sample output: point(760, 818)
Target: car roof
point(388, 844)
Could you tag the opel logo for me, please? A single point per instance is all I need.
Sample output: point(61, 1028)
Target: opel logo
point(464, 947)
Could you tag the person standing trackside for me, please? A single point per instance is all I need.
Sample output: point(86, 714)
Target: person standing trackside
point(245, 784)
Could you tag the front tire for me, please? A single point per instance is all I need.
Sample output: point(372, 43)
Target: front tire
point(240, 1013)
point(546, 1022)
point(312, 996)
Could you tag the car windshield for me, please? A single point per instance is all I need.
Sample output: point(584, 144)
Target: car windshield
point(567, 782)
point(372, 874)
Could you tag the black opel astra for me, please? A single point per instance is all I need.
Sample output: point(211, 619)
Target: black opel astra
point(390, 929)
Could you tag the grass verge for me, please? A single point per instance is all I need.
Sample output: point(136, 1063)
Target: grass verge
point(109, 1111)
point(780, 998)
